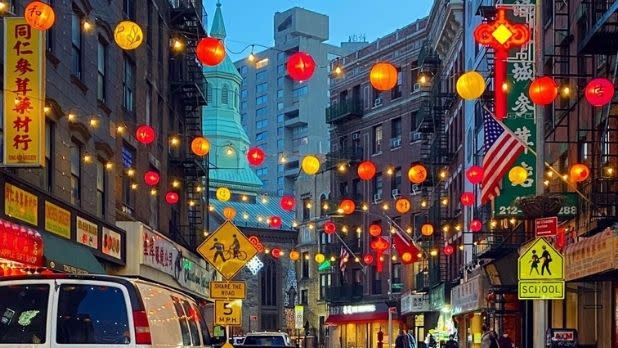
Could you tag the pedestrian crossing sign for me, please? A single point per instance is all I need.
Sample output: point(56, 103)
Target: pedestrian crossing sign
point(227, 249)
point(540, 261)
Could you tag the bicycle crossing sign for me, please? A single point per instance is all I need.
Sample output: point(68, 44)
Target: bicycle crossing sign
point(227, 249)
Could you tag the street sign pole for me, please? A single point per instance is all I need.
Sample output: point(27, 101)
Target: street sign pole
point(390, 328)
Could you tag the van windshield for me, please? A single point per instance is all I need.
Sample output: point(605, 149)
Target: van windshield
point(276, 341)
point(23, 313)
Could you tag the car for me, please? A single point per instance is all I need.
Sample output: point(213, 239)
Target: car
point(61, 310)
point(235, 341)
point(267, 339)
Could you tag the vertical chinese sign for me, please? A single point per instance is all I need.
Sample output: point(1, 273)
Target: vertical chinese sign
point(521, 114)
point(24, 95)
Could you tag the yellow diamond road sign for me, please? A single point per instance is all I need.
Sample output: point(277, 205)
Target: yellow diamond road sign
point(540, 262)
point(227, 249)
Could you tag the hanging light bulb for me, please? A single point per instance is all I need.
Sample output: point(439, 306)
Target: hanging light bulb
point(87, 25)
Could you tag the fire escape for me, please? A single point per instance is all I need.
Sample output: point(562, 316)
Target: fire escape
point(189, 94)
point(573, 121)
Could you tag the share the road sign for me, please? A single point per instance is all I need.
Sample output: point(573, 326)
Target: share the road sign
point(228, 290)
point(540, 270)
point(227, 249)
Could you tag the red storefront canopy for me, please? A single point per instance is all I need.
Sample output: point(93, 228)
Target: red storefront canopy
point(336, 319)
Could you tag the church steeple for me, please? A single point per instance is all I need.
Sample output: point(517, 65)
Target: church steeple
point(218, 27)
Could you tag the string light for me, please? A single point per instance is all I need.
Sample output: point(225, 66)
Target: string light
point(344, 229)
point(311, 226)
point(444, 202)
point(609, 171)
point(4, 7)
point(109, 165)
point(94, 122)
point(174, 140)
point(385, 206)
point(210, 208)
point(244, 198)
point(120, 129)
point(198, 189)
point(87, 158)
point(359, 230)
point(342, 167)
point(175, 183)
point(178, 45)
point(409, 230)
point(134, 186)
point(87, 25)
point(365, 207)
point(130, 172)
point(46, 108)
point(153, 192)
point(443, 174)
point(461, 247)
point(390, 171)
point(433, 252)
point(71, 117)
point(546, 182)
point(424, 203)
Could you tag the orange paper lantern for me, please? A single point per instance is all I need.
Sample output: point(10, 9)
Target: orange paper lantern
point(375, 230)
point(403, 205)
point(543, 90)
point(383, 76)
point(294, 255)
point(427, 229)
point(39, 15)
point(579, 172)
point(348, 206)
point(200, 146)
point(229, 213)
point(210, 51)
point(417, 174)
point(366, 170)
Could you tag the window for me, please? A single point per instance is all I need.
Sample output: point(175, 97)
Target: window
point(128, 9)
point(149, 23)
point(262, 171)
point(396, 179)
point(261, 112)
point(49, 159)
point(128, 162)
point(269, 283)
point(279, 106)
point(279, 93)
point(101, 67)
point(263, 123)
point(243, 70)
point(76, 44)
point(376, 284)
point(396, 128)
point(280, 82)
point(281, 56)
point(280, 168)
point(128, 83)
point(188, 327)
point(305, 265)
point(261, 88)
point(243, 106)
point(300, 91)
point(153, 217)
point(280, 144)
point(261, 100)
point(306, 208)
point(261, 136)
point(101, 183)
point(225, 95)
point(281, 69)
point(91, 315)
point(49, 32)
point(76, 169)
point(261, 75)
point(396, 278)
point(243, 93)
point(23, 301)
point(377, 139)
point(325, 282)
point(280, 131)
point(396, 91)
point(280, 118)
point(377, 186)
point(304, 297)
point(148, 103)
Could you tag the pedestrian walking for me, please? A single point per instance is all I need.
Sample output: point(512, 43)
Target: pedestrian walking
point(399, 341)
point(505, 341)
point(489, 339)
point(411, 340)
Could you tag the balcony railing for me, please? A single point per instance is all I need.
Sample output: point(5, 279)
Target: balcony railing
point(500, 242)
point(602, 34)
point(347, 293)
point(340, 111)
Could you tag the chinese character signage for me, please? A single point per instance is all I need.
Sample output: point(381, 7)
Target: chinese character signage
point(87, 233)
point(20, 204)
point(57, 220)
point(111, 243)
point(521, 114)
point(159, 253)
point(24, 95)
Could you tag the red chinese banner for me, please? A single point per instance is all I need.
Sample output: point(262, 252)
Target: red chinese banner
point(24, 95)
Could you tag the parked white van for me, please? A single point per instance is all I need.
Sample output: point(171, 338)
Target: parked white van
point(93, 311)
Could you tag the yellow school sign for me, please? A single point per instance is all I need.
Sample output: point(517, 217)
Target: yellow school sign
point(227, 249)
point(540, 270)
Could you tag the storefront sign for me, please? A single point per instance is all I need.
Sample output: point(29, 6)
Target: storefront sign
point(359, 309)
point(57, 220)
point(112, 243)
point(298, 317)
point(24, 94)
point(468, 296)
point(414, 303)
point(592, 255)
point(159, 253)
point(87, 233)
point(541, 290)
point(436, 298)
point(20, 204)
point(546, 227)
point(20, 244)
point(194, 277)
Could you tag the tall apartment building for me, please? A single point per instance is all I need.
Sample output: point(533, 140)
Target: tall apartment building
point(280, 114)
point(95, 212)
point(367, 124)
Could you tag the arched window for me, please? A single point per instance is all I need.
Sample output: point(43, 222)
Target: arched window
point(225, 97)
point(236, 98)
point(209, 93)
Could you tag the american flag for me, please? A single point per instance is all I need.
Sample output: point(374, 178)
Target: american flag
point(343, 258)
point(501, 149)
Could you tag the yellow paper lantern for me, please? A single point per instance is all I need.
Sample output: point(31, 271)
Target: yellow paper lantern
point(294, 255)
point(383, 76)
point(200, 146)
point(417, 174)
point(518, 175)
point(319, 258)
point(470, 85)
point(310, 165)
point(128, 35)
point(229, 213)
point(224, 194)
point(427, 229)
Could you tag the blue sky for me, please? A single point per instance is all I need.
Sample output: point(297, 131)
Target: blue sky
point(251, 22)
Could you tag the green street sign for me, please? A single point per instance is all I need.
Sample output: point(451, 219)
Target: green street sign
point(570, 205)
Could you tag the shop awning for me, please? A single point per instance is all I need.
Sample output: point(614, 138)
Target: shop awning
point(592, 256)
point(65, 256)
point(336, 319)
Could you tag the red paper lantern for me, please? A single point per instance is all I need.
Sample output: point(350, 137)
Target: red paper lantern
point(275, 221)
point(475, 174)
point(145, 134)
point(348, 206)
point(467, 199)
point(579, 172)
point(276, 253)
point(210, 51)
point(171, 197)
point(543, 90)
point(599, 92)
point(366, 170)
point(330, 227)
point(475, 225)
point(151, 178)
point(383, 76)
point(448, 250)
point(288, 203)
point(39, 15)
point(379, 245)
point(375, 230)
point(256, 156)
point(300, 66)
point(368, 259)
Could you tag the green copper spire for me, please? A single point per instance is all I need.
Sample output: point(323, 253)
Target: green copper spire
point(218, 27)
